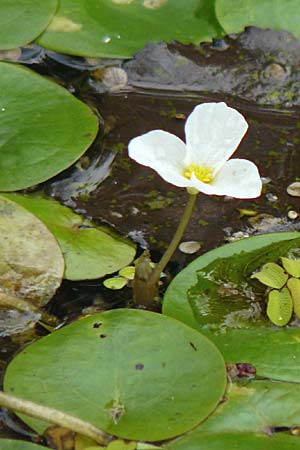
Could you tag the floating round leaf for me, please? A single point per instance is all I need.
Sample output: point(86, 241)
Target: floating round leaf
point(216, 295)
point(127, 272)
point(10, 444)
point(113, 28)
point(292, 266)
point(23, 21)
point(235, 15)
point(115, 283)
point(135, 374)
point(272, 275)
point(90, 251)
point(231, 440)
point(280, 307)
point(244, 420)
point(43, 128)
point(32, 264)
point(293, 285)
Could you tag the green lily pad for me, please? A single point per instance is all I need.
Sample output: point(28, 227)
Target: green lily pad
point(11, 444)
point(215, 294)
point(116, 28)
point(135, 374)
point(292, 266)
point(90, 251)
point(280, 307)
point(43, 128)
point(31, 263)
point(271, 275)
point(249, 414)
point(235, 15)
point(240, 441)
point(23, 21)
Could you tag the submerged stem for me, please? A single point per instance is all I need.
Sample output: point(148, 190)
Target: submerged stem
point(54, 416)
point(155, 275)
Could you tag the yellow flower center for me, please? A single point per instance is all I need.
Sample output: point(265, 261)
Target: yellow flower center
point(204, 174)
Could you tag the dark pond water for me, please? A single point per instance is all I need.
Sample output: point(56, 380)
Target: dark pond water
point(256, 72)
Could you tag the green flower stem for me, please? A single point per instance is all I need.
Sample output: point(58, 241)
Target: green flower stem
point(155, 275)
point(55, 417)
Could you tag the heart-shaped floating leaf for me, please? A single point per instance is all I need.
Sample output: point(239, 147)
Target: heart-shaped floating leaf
point(235, 15)
point(293, 285)
point(280, 307)
point(90, 251)
point(271, 275)
point(250, 412)
point(135, 374)
point(43, 128)
point(115, 28)
point(22, 21)
point(216, 295)
point(292, 266)
point(10, 444)
point(32, 264)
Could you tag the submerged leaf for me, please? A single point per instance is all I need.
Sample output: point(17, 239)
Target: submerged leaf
point(31, 264)
point(280, 307)
point(272, 275)
point(90, 251)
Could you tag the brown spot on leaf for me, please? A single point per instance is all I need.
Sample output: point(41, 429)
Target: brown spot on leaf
point(193, 346)
point(139, 366)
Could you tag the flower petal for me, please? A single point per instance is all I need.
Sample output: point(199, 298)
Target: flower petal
point(164, 152)
point(213, 132)
point(238, 178)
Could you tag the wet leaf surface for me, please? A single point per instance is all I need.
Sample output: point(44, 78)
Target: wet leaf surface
point(14, 322)
point(90, 251)
point(117, 29)
point(44, 129)
point(32, 264)
point(135, 374)
point(216, 295)
point(22, 21)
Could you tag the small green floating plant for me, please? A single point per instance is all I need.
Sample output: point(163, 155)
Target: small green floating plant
point(284, 295)
point(213, 132)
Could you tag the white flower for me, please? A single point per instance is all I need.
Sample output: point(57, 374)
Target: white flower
point(213, 132)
